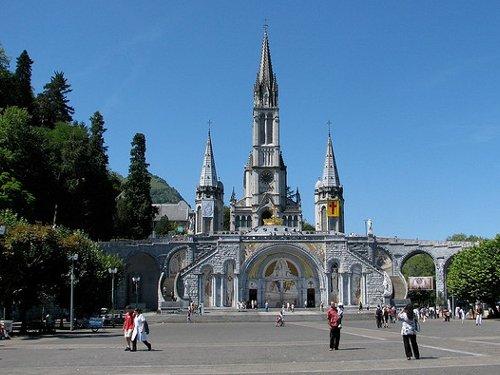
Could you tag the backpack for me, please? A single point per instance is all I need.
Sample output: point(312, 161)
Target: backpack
point(146, 327)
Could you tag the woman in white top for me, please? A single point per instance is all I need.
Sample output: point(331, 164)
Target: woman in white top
point(409, 331)
point(140, 332)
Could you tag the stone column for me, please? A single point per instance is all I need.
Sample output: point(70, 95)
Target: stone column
point(214, 291)
point(222, 299)
point(201, 292)
point(236, 290)
point(328, 288)
point(363, 289)
point(341, 287)
point(440, 279)
point(348, 289)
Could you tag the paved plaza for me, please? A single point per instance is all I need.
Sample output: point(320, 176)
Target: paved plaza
point(260, 348)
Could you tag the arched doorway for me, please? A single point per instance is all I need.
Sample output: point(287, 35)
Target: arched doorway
point(207, 284)
point(176, 262)
point(144, 292)
point(420, 265)
point(281, 274)
point(334, 282)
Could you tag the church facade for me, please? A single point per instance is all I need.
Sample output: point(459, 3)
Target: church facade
point(266, 255)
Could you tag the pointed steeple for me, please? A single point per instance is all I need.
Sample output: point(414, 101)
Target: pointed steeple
point(330, 173)
point(233, 196)
point(266, 67)
point(208, 175)
point(266, 86)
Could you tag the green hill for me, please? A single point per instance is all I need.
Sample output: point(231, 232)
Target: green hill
point(161, 191)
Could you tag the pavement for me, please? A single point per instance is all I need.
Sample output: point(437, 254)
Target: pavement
point(301, 347)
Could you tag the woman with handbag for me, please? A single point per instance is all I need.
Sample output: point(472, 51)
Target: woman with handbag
point(409, 330)
point(141, 330)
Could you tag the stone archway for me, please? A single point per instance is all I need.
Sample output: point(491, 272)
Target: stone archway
point(281, 274)
point(176, 262)
point(146, 294)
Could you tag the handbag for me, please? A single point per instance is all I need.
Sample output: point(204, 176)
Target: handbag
point(146, 327)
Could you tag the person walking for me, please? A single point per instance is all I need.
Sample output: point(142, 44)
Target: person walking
point(479, 314)
point(188, 316)
point(462, 315)
point(128, 327)
point(267, 306)
point(409, 330)
point(334, 322)
point(141, 330)
point(386, 317)
point(378, 316)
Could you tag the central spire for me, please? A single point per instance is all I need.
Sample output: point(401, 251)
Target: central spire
point(266, 87)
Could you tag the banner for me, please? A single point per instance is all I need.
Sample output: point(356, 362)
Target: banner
point(207, 208)
point(421, 283)
point(333, 208)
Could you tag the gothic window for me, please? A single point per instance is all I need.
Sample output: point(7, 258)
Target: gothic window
point(295, 221)
point(249, 221)
point(262, 131)
point(269, 130)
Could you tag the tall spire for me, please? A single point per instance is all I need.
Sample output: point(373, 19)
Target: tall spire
point(330, 173)
point(208, 175)
point(266, 67)
point(266, 87)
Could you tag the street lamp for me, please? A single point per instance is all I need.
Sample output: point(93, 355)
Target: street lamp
point(113, 272)
point(72, 258)
point(136, 280)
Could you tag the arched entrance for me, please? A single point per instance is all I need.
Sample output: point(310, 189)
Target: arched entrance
point(281, 274)
point(176, 262)
point(420, 264)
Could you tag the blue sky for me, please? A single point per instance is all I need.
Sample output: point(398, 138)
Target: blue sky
point(412, 88)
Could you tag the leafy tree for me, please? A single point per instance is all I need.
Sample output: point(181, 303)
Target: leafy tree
point(464, 237)
point(474, 273)
point(420, 265)
point(135, 210)
point(35, 267)
point(13, 195)
point(22, 76)
point(164, 226)
point(69, 148)
point(52, 103)
point(23, 155)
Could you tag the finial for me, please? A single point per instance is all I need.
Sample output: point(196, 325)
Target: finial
point(209, 126)
point(266, 26)
point(329, 123)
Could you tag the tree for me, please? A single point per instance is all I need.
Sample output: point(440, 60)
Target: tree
point(52, 103)
point(163, 226)
point(461, 237)
point(474, 273)
point(14, 196)
point(7, 87)
point(22, 76)
point(24, 156)
point(35, 267)
point(135, 210)
point(101, 191)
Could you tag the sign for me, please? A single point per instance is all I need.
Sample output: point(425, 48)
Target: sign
point(421, 283)
point(333, 208)
point(207, 208)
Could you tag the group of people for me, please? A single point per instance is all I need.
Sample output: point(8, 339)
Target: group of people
point(409, 326)
point(384, 315)
point(135, 328)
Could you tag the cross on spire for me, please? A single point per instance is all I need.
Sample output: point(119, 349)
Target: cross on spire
point(266, 25)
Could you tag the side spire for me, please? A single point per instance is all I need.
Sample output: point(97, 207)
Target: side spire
point(208, 175)
point(330, 173)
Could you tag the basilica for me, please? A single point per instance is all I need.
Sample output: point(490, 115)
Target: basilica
point(266, 255)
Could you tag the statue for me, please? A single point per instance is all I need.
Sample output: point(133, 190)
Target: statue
point(369, 227)
point(387, 284)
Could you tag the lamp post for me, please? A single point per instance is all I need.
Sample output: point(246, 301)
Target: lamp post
point(136, 280)
point(113, 272)
point(72, 258)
